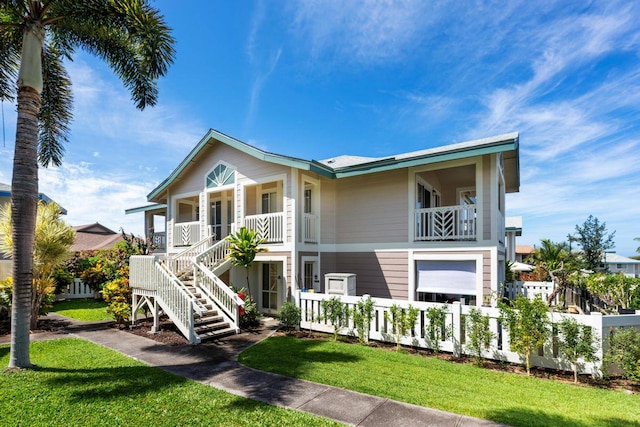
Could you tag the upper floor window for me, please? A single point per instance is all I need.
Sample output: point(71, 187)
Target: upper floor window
point(269, 202)
point(307, 200)
point(220, 175)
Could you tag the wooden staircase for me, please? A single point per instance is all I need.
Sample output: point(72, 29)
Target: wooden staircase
point(209, 325)
point(188, 289)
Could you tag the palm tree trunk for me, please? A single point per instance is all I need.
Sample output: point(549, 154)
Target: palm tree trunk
point(24, 204)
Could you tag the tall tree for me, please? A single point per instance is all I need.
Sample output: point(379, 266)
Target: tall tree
point(35, 38)
point(594, 239)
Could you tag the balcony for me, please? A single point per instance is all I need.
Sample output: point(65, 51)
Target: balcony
point(186, 233)
point(310, 228)
point(450, 223)
point(270, 227)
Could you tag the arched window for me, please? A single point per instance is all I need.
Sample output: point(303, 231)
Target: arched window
point(220, 175)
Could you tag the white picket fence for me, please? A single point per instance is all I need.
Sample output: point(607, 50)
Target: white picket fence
point(456, 341)
point(528, 289)
point(76, 290)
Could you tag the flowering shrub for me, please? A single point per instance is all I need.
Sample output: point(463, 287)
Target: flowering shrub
point(118, 294)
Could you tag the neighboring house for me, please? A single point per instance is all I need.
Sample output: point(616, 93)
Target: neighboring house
point(5, 199)
point(523, 252)
point(620, 264)
point(93, 237)
point(513, 229)
point(427, 225)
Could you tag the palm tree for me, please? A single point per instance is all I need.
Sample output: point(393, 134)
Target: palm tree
point(243, 248)
point(53, 237)
point(35, 37)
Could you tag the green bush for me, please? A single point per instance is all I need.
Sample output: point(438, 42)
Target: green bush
point(118, 294)
point(402, 321)
point(479, 334)
point(528, 325)
point(290, 315)
point(576, 342)
point(436, 330)
point(335, 312)
point(362, 314)
point(624, 351)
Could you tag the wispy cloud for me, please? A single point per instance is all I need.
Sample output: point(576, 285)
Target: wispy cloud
point(361, 32)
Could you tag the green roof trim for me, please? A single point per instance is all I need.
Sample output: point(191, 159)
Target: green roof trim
point(155, 206)
point(492, 145)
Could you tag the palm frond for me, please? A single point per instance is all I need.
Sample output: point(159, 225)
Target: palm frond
point(10, 45)
point(56, 110)
point(129, 35)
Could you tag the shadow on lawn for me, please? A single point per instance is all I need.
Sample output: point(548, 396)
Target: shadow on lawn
point(109, 383)
point(523, 417)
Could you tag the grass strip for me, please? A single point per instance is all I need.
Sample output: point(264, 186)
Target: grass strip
point(86, 310)
point(460, 388)
point(80, 383)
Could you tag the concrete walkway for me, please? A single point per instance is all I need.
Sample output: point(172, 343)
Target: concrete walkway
point(215, 364)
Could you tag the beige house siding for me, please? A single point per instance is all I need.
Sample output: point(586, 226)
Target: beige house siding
point(372, 208)
point(486, 197)
point(328, 211)
point(248, 167)
point(379, 274)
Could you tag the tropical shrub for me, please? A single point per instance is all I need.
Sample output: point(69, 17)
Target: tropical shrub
point(402, 321)
point(6, 290)
point(290, 315)
point(528, 325)
point(251, 316)
point(436, 329)
point(624, 351)
point(479, 334)
point(362, 314)
point(118, 294)
point(336, 313)
point(576, 341)
point(615, 289)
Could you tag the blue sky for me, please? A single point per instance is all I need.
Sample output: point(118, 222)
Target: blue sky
point(316, 79)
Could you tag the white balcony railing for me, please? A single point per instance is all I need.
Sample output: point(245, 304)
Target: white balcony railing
point(446, 223)
point(310, 228)
point(160, 241)
point(270, 227)
point(186, 233)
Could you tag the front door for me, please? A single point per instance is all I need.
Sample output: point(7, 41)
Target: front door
point(270, 295)
point(216, 219)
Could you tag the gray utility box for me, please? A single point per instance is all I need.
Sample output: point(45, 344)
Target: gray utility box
point(340, 284)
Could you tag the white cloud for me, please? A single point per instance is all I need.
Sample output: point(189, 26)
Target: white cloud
point(91, 196)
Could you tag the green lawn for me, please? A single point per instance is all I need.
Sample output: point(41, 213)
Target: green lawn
point(80, 383)
point(461, 388)
point(87, 310)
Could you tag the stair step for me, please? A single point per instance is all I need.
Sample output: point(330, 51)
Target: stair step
point(208, 318)
point(210, 327)
point(207, 336)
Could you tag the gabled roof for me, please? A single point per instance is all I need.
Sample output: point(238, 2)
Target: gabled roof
point(92, 237)
point(345, 166)
point(5, 191)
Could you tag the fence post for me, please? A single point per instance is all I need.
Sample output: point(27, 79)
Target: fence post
point(599, 337)
point(456, 328)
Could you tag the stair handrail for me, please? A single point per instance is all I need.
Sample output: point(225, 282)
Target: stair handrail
point(176, 302)
point(214, 255)
point(182, 260)
point(198, 307)
point(222, 295)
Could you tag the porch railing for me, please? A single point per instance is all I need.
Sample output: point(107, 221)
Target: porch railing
point(186, 233)
point(310, 228)
point(446, 223)
point(270, 227)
